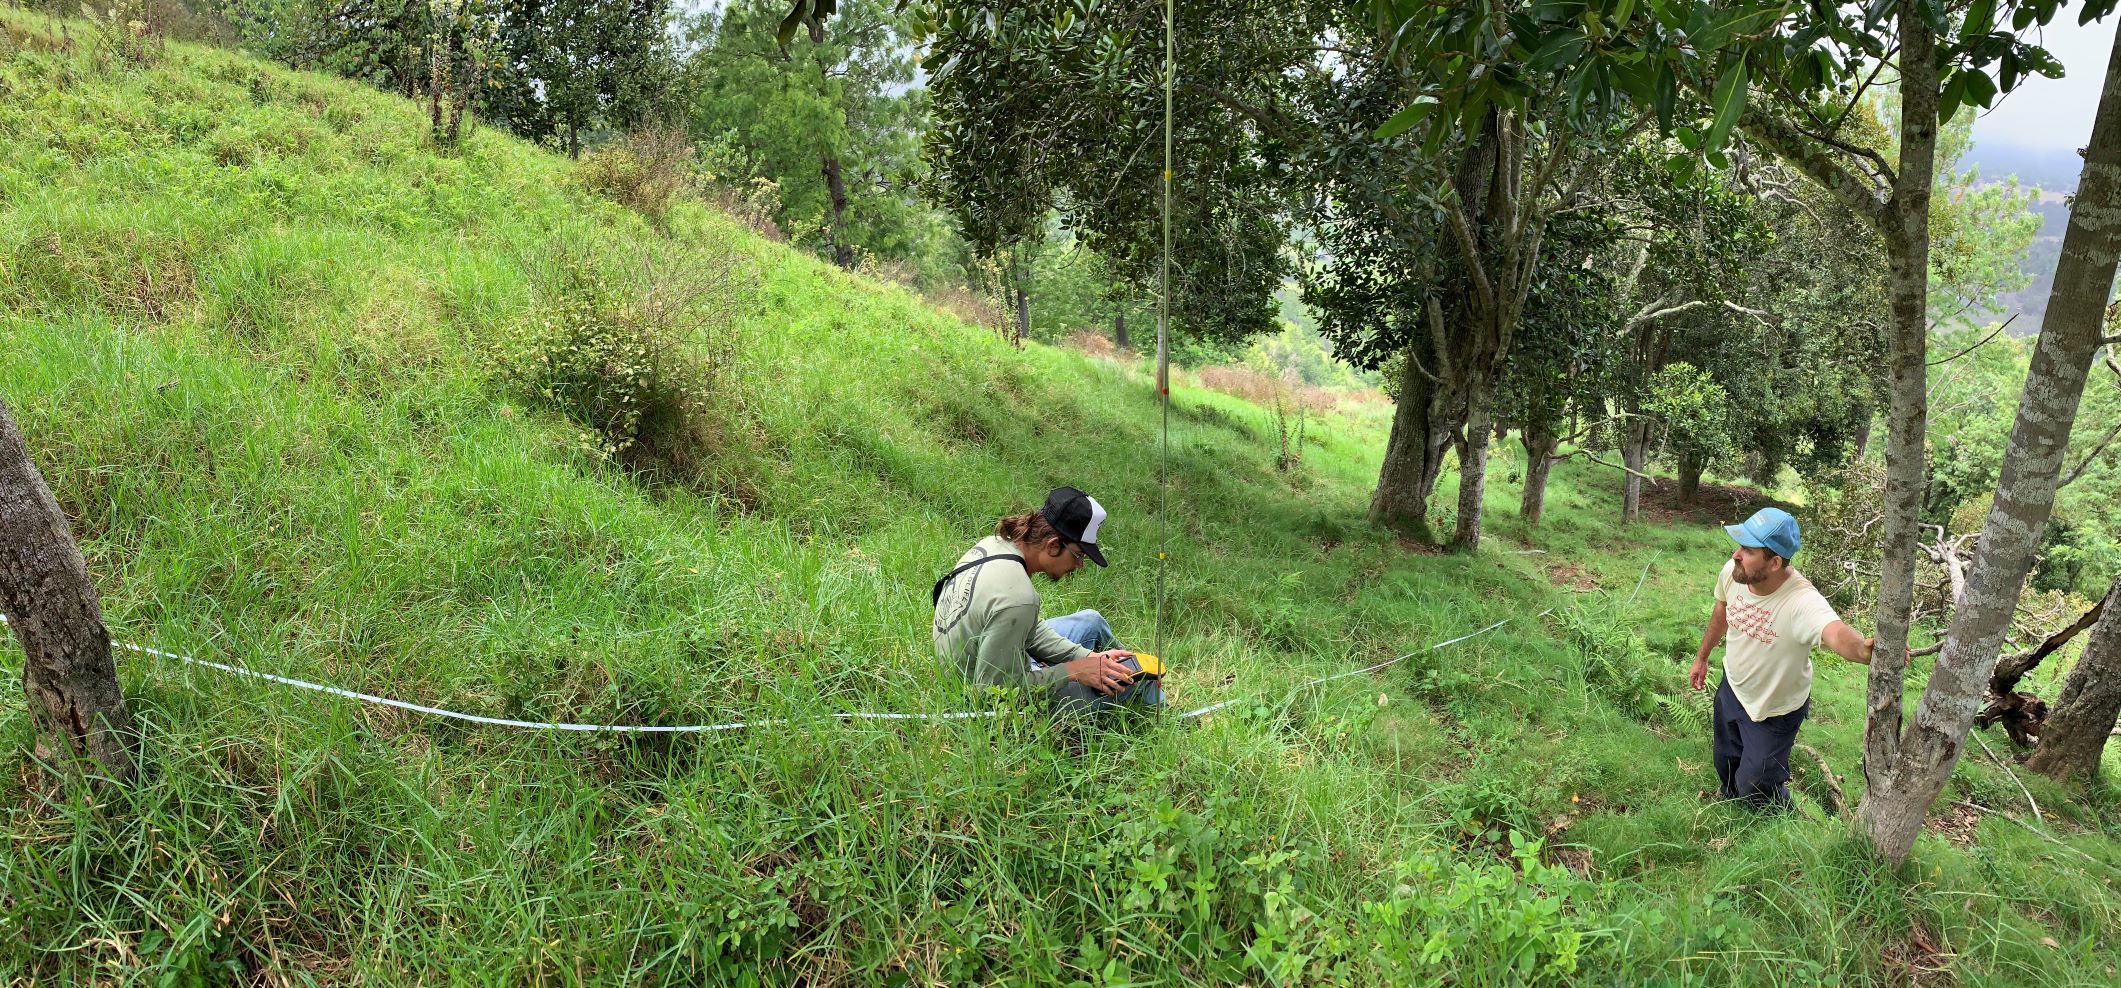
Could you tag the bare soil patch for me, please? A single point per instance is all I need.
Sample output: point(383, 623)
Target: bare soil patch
point(1721, 504)
point(1571, 576)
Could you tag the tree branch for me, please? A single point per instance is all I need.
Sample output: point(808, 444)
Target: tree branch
point(1862, 195)
point(1984, 342)
point(1270, 118)
point(1586, 454)
point(1455, 217)
point(1837, 801)
point(1766, 319)
point(1650, 313)
point(2097, 448)
point(2013, 668)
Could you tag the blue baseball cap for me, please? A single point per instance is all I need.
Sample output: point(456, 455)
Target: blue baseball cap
point(1770, 528)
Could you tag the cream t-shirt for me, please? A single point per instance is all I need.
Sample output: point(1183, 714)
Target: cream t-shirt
point(1767, 653)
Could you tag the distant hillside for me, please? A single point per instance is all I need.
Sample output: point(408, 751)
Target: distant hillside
point(2055, 172)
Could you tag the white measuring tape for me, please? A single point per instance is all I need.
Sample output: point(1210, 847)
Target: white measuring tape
point(734, 725)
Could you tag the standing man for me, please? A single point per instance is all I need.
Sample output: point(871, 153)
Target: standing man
point(986, 613)
point(1769, 618)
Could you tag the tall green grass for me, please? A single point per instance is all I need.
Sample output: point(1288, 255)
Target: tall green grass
point(259, 334)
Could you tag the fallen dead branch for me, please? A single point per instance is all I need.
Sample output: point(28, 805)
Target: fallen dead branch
point(1837, 801)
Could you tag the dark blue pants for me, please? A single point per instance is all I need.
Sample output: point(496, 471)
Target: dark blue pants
point(1753, 756)
point(1088, 629)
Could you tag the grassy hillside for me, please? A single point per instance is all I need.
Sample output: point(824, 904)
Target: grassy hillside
point(279, 358)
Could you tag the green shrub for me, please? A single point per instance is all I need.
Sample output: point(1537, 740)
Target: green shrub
point(645, 363)
point(645, 173)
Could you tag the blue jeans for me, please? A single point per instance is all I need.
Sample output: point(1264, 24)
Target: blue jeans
point(1088, 629)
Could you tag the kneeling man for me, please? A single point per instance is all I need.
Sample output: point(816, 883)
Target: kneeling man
point(986, 613)
point(1768, 618)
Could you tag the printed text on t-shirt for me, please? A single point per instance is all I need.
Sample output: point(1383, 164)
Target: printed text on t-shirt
point(1753, 621)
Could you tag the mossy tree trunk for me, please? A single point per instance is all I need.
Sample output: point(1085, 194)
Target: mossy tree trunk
point(1473, 462)
point(1423, 421)
point(48, 600)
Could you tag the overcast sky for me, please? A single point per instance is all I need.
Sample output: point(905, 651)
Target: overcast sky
point(2055, 114)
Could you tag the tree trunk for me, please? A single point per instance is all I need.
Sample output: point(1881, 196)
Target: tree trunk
point(1421, 430)
point(1119, 326)
point(1023, 314)
point(48, 600)
point(1473, 462)
point(2073, 737)
point(1690, 467)
point(1863, 440)
point(1635, 455)
point(1883, 816)
point(836, 189)
point(1539, 447)
point(1906, 778)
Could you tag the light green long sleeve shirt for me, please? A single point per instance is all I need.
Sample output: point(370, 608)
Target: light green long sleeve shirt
point(987, 619)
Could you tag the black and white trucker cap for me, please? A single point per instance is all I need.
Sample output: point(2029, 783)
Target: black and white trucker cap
point(1076, 516)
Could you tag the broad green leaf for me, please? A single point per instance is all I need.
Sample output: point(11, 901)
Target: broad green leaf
point(1415, 113)
point(786, 32)
point(1638, 79)
point(1667, 95)
point(1980, 18)
point(1979, 88)
point(1729, 102)
point(1558, 49)
point(1950, 96)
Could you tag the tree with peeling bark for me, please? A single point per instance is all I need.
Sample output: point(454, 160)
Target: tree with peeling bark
point(51, 606)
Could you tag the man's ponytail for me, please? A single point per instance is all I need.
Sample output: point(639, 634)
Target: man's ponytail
point(1029, 528)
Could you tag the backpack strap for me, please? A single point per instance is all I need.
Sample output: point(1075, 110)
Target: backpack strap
point(936, 595)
